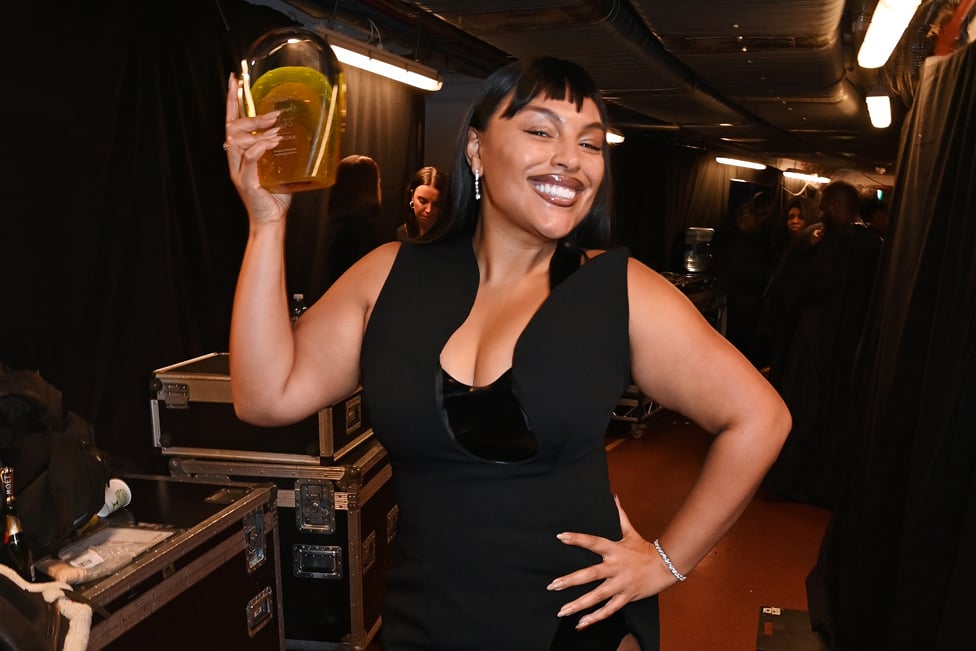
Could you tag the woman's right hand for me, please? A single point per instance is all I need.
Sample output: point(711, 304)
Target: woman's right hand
point(246, 141)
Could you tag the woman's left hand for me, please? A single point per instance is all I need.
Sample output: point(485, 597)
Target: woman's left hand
point(630, 570)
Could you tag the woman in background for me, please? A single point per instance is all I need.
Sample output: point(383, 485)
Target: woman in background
point(355, 201)
point(798, 216)
point(426, 193)
point(798, 232)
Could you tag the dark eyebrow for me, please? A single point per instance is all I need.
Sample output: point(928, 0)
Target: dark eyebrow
point(556, 117)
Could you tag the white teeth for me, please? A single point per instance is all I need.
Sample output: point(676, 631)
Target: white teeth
point(558, 191)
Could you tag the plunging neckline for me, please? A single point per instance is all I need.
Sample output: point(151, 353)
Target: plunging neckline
point(506, 376)
point(472, 259)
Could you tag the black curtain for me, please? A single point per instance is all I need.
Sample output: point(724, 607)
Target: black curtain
point(638, 167)
point(661, 189)
point(121, 234)
point(896, 565)
point(698, 195)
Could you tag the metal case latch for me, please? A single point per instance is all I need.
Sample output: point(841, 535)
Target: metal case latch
point(317, 561)
point(254, 540)
point(174, 395)
point(354, 414)
point(315, 506)
point(260, 611)
point(369, 551)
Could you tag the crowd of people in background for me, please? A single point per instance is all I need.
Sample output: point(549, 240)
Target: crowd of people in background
point(798, 290)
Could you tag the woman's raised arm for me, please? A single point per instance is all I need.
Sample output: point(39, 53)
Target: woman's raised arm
point(280, 373)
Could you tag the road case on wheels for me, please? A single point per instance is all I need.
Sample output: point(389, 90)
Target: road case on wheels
point(188, 563)
point(193, 416)
point(635, 409)
point(338, 525)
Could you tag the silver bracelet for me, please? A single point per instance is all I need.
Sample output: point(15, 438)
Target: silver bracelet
point(667, 561)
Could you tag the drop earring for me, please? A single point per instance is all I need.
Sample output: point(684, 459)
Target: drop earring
point(411, 203)
point(477, 185)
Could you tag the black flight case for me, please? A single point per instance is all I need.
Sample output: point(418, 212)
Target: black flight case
point(335, 503)
point(187, 564)
point(193, 416)
point(338, 526)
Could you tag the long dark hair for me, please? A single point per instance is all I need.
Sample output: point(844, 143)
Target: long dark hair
point(356, 193)
point(521, 82)
point(424, 176)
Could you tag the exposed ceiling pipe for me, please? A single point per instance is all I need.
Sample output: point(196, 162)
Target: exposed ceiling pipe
point(617, 28)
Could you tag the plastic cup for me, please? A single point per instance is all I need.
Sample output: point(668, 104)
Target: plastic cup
point(117, 496)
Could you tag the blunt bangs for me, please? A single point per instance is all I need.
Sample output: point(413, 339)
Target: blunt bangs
point(523, 81)
point(554, 79)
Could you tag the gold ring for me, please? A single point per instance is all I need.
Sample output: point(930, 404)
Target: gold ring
point(225, 145)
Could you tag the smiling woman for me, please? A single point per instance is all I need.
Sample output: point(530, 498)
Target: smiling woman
point(491, 353)
point(553, 144)
point(545, 115)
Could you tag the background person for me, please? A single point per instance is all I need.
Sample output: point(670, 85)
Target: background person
point(797, 237)
point(425, 195)
point(799, 215)
point(490, 358)
point(874, 212)
point(823, 298)
point(742, 264)
point(355, 203)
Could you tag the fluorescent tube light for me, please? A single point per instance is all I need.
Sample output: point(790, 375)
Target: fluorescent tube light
point(879, 109)
point(888, 23)
point(739, 163)
point(396, 71)
point(809, 178)
point(361, 55)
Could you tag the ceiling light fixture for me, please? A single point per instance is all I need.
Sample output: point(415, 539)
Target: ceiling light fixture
point(354, 53)
point(879, 107)
point(808, 178)
point(739, 163)
point(888, 23)
point(614, 137)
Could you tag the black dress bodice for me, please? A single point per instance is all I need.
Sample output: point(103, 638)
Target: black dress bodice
point(481, 499)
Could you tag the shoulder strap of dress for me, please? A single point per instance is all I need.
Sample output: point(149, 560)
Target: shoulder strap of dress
point(566, 259)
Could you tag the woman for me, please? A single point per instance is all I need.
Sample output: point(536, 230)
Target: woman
point(490, 358)
point(425, 194)
point(774, 329)
point(355, 202)
point(797, 216)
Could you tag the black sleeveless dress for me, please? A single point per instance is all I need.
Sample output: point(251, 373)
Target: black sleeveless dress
point(476, 540)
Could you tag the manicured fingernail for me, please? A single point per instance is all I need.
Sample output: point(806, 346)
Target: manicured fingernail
point(562, 536)
point(583, 623)
point(563, 612)
point(555, 585)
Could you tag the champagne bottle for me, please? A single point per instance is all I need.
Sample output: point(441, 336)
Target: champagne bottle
point(16, 551)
